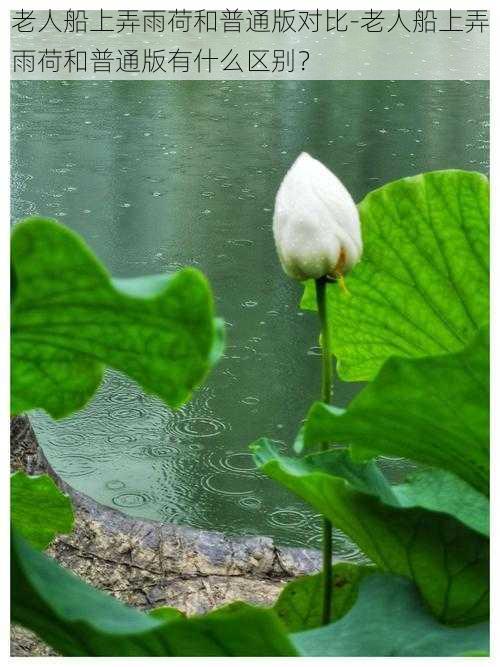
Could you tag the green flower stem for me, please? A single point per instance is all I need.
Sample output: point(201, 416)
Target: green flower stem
point(326, 397)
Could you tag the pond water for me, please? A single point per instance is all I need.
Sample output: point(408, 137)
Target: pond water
point(156, 176)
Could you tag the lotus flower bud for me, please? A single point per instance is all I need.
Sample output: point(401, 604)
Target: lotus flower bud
point(316, 223)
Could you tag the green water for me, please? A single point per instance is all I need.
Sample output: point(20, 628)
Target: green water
point(156, 176)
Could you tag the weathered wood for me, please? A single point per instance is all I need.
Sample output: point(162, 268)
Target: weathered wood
point(149, 564)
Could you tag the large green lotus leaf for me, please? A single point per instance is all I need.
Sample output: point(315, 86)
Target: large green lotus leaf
point(70, 321)
point(421, 287)
point(442, 491)
point(299, 605)
point(433, 410)
point(78, 620)
point(389, 619)
point(38, 510)
point(448, 561)
point(166, 614)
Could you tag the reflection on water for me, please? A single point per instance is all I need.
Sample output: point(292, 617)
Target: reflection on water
point(156, 176)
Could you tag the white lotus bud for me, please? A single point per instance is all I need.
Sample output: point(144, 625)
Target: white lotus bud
point(316, 223)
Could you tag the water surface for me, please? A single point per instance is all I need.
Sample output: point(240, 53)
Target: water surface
point(156, 176)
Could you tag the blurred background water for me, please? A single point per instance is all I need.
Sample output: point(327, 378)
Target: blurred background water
point(160, 175)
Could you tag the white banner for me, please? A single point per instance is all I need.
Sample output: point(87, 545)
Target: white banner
point(250, 44)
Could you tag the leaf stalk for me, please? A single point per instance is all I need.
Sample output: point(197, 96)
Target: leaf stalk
point(326, 397)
